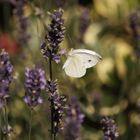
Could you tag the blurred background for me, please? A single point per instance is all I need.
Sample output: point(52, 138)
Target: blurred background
point(111, 88)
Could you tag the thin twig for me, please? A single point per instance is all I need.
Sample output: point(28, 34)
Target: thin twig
point(52, 104)
point(1, 131)
point(30, 125)
point(54, 136)
point(6, 115)
point(5, 119)
point(50, 67)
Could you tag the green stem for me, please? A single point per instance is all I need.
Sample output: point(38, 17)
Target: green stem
point(50, 67)
point(52, 104)
point(1, 131)
point(5, 118)
point(30, 125)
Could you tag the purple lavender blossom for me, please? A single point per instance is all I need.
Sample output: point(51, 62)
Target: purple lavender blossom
point(58, 107)
point(73, 121)
point(60, 3)
point(109, 128)
point(35, 83)
point(54, 37)
point(51, 86)
point(134, 19)
point(23, 22)
point(50, 49)
point(6, 70)
point(83, 24)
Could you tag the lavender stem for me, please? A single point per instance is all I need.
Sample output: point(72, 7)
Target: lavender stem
point(5, 119)
point(30, 125)
point(50, 66)
point(50, 49)
point(6, 115)
point(52, 103)
point(1, 134)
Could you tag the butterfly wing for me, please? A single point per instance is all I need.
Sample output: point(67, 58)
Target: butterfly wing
point(89, 58)
point(74, 66)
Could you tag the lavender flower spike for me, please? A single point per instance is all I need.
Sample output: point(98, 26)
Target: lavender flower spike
point(6, 70)
point(35, 83)
point(134, 19)
point(54, 37)
point(109, 128)
point(73, 121)
point(23, 37)
point(58, 108)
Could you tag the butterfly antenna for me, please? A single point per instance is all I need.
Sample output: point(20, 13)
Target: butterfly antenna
point(100, 59)
point(49, 4)
point(70, 39)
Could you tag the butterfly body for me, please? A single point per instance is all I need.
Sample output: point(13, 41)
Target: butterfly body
point(79, 60)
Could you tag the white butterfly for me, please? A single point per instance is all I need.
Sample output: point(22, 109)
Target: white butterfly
point(79, 60)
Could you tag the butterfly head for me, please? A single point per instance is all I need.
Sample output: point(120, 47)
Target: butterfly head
point(70, 53)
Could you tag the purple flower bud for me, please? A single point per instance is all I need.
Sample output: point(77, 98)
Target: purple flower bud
point(109, 128)
point(54, 37)
point(73, 121)
point(51, 86)
point(134, 19)
point(58, 104)
point(6, 70)
point(35, 83)
point(83, 24)
point(60, 3)
point(23, 22)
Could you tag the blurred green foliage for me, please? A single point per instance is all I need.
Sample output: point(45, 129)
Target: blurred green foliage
point(111, 88)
